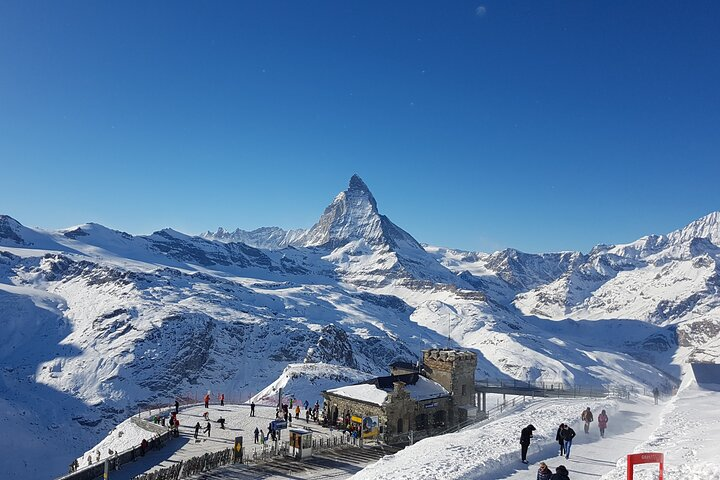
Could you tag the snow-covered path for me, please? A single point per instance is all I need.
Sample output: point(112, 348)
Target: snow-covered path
point(593, 456)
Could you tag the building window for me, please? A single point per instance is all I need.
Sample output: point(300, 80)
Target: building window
point(421, 422)
point(439, 418)
point(463, 391)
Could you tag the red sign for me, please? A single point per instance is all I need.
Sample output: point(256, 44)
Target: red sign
point(640, 458)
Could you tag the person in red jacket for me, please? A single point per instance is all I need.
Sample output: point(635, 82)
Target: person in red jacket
point(207, 400)
point(602, 423)
point(222, 399)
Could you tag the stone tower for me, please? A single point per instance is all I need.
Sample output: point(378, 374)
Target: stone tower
point(454, 370)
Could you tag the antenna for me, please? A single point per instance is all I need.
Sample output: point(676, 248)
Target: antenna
point(447, 343)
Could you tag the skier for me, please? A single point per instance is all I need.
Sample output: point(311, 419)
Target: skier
point(297, 412)
point(602, 423)
point(257, 435)
point(567, 434)
point(525, 436)
point(252, 409)
point(560, 440)
point(222, 399)
point(207, 429)
point(207, 400)
point(221, 421)
point(587, 417)
point(197, 429)
point(656, 394)
point(306, 404)
point(544, 473)
point(561, 473)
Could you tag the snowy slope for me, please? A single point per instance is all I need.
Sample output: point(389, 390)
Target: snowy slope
point(305, 381)
point(134, 320)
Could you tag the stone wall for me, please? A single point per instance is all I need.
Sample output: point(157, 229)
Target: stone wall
point(454, 370)
point(353, 407)
point(439, 412)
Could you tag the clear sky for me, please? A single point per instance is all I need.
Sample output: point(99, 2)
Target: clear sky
point(539, 125)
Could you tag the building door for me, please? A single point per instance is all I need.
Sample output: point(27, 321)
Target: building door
point(400, 425)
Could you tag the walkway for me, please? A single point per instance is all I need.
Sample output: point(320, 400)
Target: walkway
point(592, 456)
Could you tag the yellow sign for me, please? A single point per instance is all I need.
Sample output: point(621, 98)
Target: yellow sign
point(356, 419)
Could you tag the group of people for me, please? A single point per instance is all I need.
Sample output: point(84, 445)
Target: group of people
point(564, 437)
point(286, 410)
point(587, 418)
point(205, 430)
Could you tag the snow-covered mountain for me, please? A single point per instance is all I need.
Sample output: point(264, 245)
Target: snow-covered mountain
point(269, 238)
point(97, 322)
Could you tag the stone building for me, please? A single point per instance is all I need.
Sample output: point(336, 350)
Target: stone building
point(425, 398)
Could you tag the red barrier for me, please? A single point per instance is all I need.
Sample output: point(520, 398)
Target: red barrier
point(640, 458)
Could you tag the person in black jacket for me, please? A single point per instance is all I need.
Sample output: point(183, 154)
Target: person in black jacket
point(525, 436)
point(567, 434)
point(560, 440)
point(561, 473)
point(544, 473)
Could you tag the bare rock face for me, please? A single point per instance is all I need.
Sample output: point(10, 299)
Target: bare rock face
point(10, 231)
point(333, 346)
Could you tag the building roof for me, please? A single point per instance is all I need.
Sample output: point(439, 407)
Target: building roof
point(404, 365)
point(376, 390)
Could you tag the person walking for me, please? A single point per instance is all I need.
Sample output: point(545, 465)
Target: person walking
point(559, 438)
point(587, 417)
point(177, 407)
point(257, 434)
point(252, 409)
point(525, 436)
point(568, 434)
point(602, 423)
point(561, 473)
point(656, 394)
point(207, 400)
point(207, 429)
point(297, 412)
point(544, 473)
point(197, 429)
point(222, 399)
point(262, 438)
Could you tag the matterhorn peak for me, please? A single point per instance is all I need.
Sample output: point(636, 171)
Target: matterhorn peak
point(356, 183)
point(358, 193)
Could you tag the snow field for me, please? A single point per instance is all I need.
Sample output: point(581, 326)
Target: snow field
point(688, 435)
point(484, 450)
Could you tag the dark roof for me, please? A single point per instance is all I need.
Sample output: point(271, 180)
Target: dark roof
point(405, 365)
point(387, 381)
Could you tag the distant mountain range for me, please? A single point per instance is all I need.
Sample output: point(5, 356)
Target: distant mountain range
point(96, 321)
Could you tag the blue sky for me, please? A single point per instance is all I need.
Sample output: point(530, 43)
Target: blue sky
point(537, 125)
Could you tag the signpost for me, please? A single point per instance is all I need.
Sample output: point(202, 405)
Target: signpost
point(237, 451)
point(279, 424)
point(641, 458)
